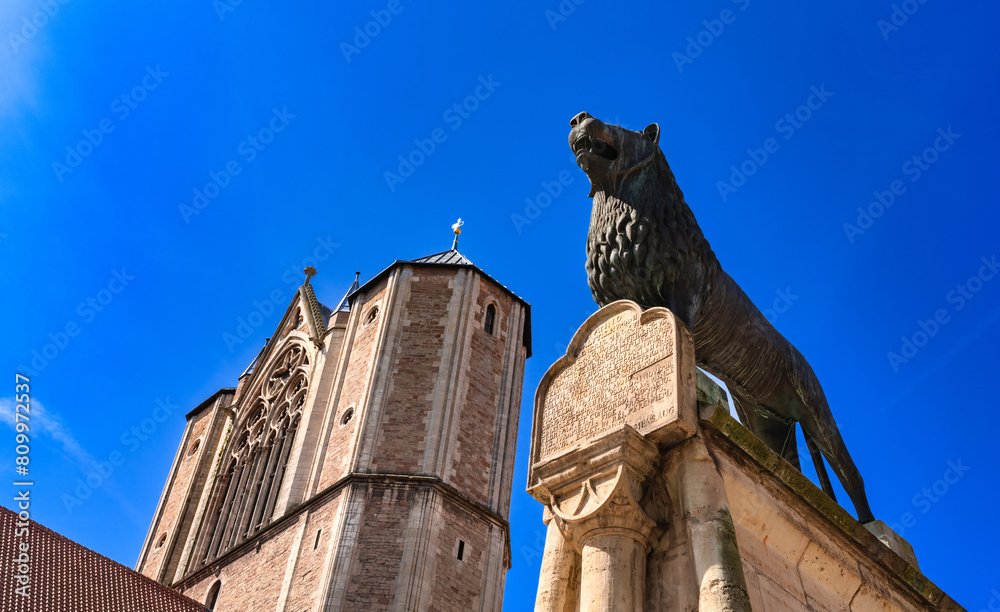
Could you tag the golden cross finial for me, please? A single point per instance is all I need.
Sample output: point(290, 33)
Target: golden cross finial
point(457, 228)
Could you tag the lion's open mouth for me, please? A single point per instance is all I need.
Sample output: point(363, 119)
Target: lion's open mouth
point(585, 144)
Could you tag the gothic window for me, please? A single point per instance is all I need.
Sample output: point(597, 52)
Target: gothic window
point(256, 458)
point(490, 319)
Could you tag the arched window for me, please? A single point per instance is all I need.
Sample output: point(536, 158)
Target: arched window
point(490, 319)
point(213, 595)
point(261, 441)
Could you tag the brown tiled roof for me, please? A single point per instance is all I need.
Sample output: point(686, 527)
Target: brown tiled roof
point(68, 577)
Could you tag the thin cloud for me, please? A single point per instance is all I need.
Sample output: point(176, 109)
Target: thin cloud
point(20, 55)
point(49, 424)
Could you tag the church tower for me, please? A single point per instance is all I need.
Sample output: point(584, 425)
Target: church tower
point(363, 461)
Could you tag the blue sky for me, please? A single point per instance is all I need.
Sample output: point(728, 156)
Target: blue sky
point(168, 168)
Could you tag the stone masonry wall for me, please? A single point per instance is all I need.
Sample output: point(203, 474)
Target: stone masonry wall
point(801, 551)
point(313, 556)
point(458, 584)
point(379, 548)
point(339, 444)
point(182, 492)
point(253, 578)
point(410, 394)
point(477, 427)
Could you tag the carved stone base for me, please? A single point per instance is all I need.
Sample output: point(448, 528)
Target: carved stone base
point(657, 500)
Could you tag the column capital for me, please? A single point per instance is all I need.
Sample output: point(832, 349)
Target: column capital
point(596, 489)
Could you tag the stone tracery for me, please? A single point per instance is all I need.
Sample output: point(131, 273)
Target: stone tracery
point(256, 459)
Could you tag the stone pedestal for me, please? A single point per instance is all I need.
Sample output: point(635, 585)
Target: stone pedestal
point(602, 413)
point(656, 499)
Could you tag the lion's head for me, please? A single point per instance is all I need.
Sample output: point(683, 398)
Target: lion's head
point(644, 244)
point(606, 151)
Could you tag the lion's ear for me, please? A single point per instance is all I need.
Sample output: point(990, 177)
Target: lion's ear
point(652, 132)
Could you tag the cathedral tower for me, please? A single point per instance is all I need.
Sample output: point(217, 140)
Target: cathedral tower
point(363, 461)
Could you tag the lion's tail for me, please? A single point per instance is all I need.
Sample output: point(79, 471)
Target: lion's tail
point(817, 457)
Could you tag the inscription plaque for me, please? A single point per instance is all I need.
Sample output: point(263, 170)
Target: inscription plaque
point(623, 366)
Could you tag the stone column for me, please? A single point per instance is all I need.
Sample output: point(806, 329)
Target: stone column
point(710, 529)
point(559, 579)
point(614, 567)
point(593, 494)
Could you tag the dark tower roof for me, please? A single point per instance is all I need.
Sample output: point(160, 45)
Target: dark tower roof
point(450, 257)
point(253, 364)
point(344, 305)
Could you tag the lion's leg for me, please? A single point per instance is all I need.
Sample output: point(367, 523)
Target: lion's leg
point(817, 458)
point(831, 444)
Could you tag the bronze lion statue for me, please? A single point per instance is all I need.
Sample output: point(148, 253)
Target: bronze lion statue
point(645, 245)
